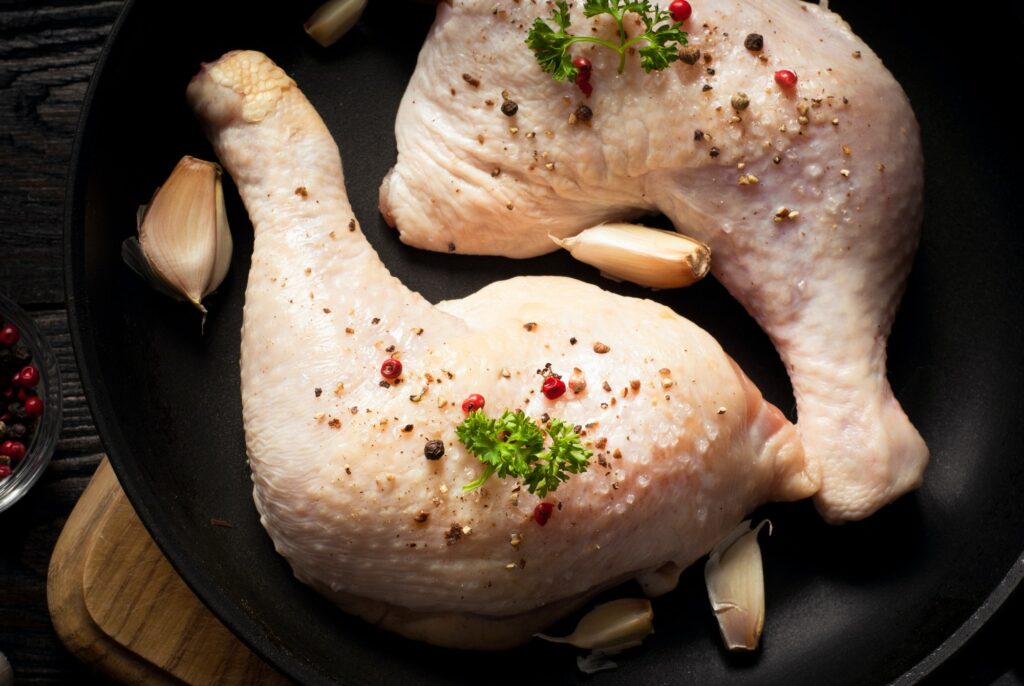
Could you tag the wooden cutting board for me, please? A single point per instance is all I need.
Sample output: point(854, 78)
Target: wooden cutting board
point(118, 606)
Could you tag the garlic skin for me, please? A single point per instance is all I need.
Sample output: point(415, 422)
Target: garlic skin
point(639, 254)
point(734, 576)
point(184, 244)
point(334, 19)
point(611, 627)
point(594, 662)
point(6, 673)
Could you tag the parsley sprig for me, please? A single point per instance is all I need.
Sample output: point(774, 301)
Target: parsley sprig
point(513, 446)
point(662, 36)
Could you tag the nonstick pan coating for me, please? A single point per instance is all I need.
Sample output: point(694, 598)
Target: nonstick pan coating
point(876, 601)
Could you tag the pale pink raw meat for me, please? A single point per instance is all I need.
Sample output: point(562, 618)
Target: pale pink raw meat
point(810, 198)
point(341, 480)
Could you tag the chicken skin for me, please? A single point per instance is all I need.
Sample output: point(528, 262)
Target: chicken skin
point(683, 444)
point(808, 193)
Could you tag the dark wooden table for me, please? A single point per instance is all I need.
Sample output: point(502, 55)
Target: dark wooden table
point(47, 52)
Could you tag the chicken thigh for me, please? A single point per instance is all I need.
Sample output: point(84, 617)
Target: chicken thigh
point(683, 443)
point(810, 196)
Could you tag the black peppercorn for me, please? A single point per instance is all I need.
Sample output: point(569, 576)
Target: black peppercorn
point(433, 450)
point(21, 353)
point(584, 113)
point(689, 55)
point(754, 42)
point(509, 108)
point(714, 152)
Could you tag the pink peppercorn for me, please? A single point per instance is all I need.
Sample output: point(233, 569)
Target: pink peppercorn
point(542, 513)
point(553, 387)
point(33, 406)
point(391, 369)
point(785, 78)
point(13, 449)
point(583, 68)
point(473, 402)
point(9, 334)
point(680, 10)
point(29, 376)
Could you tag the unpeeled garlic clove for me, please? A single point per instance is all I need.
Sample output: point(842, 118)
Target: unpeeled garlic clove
point(611, 627)
point(641, 255)
point(184, 244)
point(334, 19)
point(734, 576)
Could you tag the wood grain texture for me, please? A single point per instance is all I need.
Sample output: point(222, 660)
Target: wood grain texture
point(47, 52)
point(119, 607)
point(67, 602)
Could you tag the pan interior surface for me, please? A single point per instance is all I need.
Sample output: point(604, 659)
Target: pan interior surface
point(860, 603)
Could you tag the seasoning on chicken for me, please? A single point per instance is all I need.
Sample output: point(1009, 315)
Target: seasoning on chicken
point(808, 188)
point(684, 445)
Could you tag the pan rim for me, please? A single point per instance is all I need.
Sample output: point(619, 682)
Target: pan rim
point(232, 615)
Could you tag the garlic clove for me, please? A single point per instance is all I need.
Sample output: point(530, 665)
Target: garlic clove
point(334, 19)
point(184, 244)
point(225, 245)
point(644, 256)
point(734, 576)
point(611, 627)
point(131, 253)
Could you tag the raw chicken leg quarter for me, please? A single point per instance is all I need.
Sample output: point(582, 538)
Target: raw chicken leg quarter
point(684, 445)
point(810, 196)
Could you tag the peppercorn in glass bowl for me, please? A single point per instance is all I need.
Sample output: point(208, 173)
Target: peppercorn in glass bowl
point(30, 403)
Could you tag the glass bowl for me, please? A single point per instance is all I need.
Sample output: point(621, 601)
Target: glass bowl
point(43, 441)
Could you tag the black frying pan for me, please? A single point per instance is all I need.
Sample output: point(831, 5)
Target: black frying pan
point(881, 600)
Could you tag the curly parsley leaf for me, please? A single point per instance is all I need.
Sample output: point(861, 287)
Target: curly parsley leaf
point(561, 14)
point(513, 446)
point(661, 38)
point(552, 51)
point(655, 55)
point(565, 456)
